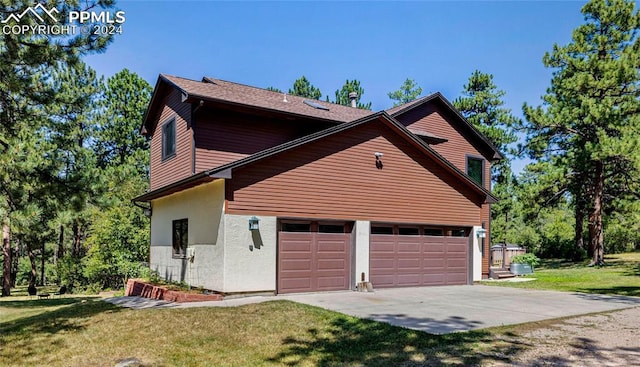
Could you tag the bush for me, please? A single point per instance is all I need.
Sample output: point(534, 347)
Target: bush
point(530, 259)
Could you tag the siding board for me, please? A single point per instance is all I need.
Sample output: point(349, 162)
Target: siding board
point(223, 136)
point(435, 120)
point(337, 177)
point(174, 169)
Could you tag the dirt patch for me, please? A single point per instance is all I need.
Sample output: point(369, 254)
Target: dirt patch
point(606, 339)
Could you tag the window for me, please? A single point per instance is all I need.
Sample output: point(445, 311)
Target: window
point(458, 232)
point(169, 139)
point(381, 230)
point(180, 237)
point(296, 227)
point(475, 169)
point(408, 231)
point(331, 228)
point(433, 232)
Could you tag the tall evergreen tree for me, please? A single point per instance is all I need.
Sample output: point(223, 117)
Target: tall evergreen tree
point(482, 105)
point(342, 94)
point(408, 92)
point(25, 60)
point(590, 113)
point(302, 87)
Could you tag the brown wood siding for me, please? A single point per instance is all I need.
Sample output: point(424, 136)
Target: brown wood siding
point(410, 261)
point(312, 261)
point(223, 136)
point(180, 166)
point(336, 177)
point(435, 120)
point(485, 214)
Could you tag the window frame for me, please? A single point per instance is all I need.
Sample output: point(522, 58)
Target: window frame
point(469, 157)
point(179, 246)
point(169, 124)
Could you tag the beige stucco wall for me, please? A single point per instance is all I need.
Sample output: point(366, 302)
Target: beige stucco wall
point(203, 206)
point(250, 256)
point(361, 253)
point(476, 254)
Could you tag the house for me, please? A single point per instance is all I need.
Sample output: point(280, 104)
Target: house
point(258, 191)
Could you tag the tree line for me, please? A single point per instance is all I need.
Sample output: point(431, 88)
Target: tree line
point(71, 157)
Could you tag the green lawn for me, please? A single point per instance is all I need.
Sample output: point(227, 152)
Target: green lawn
point(85, 331)
point(89, 332)
point(620, 275)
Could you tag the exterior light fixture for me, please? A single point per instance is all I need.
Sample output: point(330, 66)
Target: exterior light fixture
point(378, 155)
point(254, 223)
point(481, 233)
point(147, 212)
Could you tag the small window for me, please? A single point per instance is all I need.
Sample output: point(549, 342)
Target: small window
point(331, 228)
point(475, 169)
point(180, 237)
point(433, 232)
point(381, 230)
point(296, 227)
point(409, 231)
point(169, 139)
point(458, 232)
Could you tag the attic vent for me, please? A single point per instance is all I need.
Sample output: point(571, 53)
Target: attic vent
point(316, 105)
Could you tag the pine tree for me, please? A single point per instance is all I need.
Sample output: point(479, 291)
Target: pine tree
point(590, 113)
point(302, 87)
point(342, 95)
point(482, 104)
point(409, 91)
point(25, 61)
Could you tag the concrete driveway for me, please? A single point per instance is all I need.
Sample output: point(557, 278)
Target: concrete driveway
point(436, 310)
point(442, 310)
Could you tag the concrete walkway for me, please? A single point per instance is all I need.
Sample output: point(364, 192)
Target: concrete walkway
point(436, 310)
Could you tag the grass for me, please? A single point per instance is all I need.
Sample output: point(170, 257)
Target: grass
point(620, 276)
point(85, 331)
point(89, 332)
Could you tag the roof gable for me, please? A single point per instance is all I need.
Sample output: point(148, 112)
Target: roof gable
point(458, 119)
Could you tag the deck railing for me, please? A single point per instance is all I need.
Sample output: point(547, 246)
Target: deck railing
point(502, 254)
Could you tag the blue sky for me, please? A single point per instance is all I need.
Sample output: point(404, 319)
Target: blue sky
point(439, 44)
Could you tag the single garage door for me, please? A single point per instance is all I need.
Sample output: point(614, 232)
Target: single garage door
point(313, 256)
point(405, 256)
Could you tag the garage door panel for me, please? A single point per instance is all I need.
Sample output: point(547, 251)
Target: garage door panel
point(438, 263)
point(409, 248)
point(411, 263)
point(409, 279)
point(331, 264)
point(433, 279)
point(382, 264)
point(453, 278)
point(296, 264)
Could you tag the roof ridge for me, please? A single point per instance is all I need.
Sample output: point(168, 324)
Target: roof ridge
point(211, 79)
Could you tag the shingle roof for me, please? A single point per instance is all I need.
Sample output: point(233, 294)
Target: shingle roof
point(392, 111)
point(233, 93)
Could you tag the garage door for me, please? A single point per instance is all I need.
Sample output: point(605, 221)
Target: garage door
point(418, 256)
point(313, 256)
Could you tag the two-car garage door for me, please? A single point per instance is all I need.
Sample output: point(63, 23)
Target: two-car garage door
point(405, 256)
point(315, 256)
